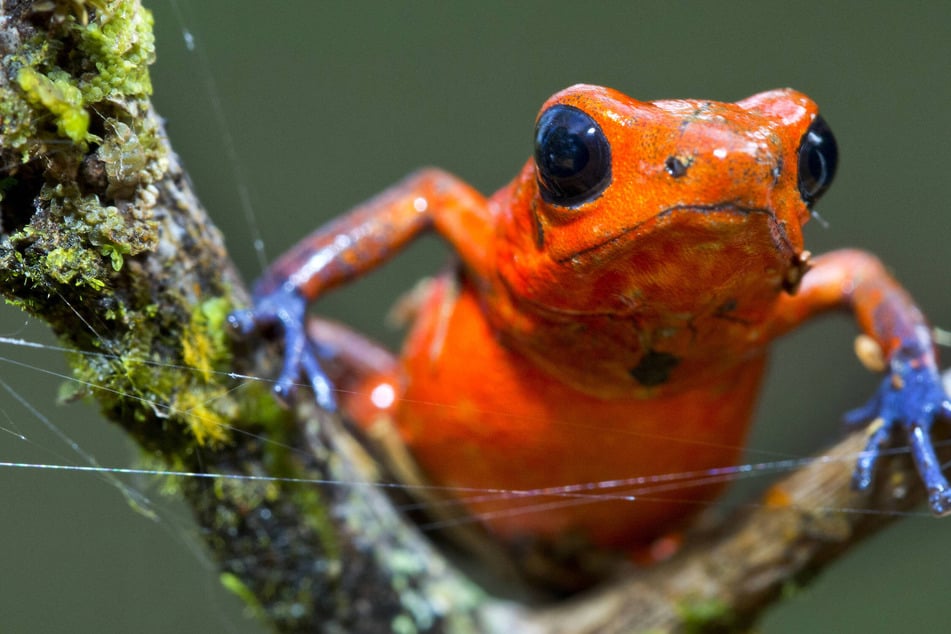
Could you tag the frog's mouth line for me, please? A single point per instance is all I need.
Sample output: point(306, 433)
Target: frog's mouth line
point(776, 231)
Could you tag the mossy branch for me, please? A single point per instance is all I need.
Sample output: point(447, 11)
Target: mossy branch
point(102, 237)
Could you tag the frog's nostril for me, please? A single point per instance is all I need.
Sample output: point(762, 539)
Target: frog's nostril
point(675, 166)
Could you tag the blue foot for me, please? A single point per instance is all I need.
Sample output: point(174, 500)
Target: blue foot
point(908, 403)
point(285, 310)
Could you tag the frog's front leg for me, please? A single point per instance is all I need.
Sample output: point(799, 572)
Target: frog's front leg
point(342, 251)
point(911, 397)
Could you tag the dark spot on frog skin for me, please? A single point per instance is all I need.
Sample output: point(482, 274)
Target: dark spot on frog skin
point(675, 167)
point(726, 307)
point(654, 368)
point(726, 311)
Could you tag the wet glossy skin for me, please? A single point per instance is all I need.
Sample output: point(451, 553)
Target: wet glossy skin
point(605, 334)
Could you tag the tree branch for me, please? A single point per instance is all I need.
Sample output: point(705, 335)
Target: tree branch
point(724, 579)
point(102, 237)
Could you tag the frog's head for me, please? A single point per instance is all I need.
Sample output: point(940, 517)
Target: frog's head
point(666, 206)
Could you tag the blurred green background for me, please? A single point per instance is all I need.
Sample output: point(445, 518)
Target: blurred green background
point(326, 104)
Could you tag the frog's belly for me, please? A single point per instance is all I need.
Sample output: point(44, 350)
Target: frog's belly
point(482, 418)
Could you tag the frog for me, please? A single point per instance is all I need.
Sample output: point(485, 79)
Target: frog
point(607, 318)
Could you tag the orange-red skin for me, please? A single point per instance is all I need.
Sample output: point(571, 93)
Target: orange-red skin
point(625, 337)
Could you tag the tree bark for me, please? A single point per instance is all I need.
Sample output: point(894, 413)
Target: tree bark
point(102, 237)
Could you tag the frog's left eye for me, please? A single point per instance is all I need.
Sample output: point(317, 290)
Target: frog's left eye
point(572, 156)
point(818, 156)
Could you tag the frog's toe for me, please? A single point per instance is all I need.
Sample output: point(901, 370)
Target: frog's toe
point(923, 452)
point(295, 349)
point(878, 438)
point(319, 383)
point(940, 503)
point(302, 359)
point(863, 415)
point(929, 468)
point(283, 310)
point(906, 406)
point(242, 321)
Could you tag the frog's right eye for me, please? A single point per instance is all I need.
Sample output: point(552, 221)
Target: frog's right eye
point(572, 156)
point(818, 156)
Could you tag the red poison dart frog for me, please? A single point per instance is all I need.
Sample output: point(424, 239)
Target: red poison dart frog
point(610, 313)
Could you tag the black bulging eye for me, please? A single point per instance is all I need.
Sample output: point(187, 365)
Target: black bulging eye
point(572, 156)
point(818, 157)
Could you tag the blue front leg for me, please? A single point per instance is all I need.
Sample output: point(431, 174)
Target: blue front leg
point(909, 401)
point(285, 309)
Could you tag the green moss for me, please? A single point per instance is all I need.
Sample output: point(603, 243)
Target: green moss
point(205, 346)
point(61, 97)
point(121, 45)
point(115, 253)
point(258, 404)
point(403, 624)
point(705, 615)
point(19, 122)
point(80, 241)
point(130, 156)
point(202, 400)
point(70, 265)
point(80, 68)
point(77, 71)
point(233, 584)
point(193, 394)
point(315, 514)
